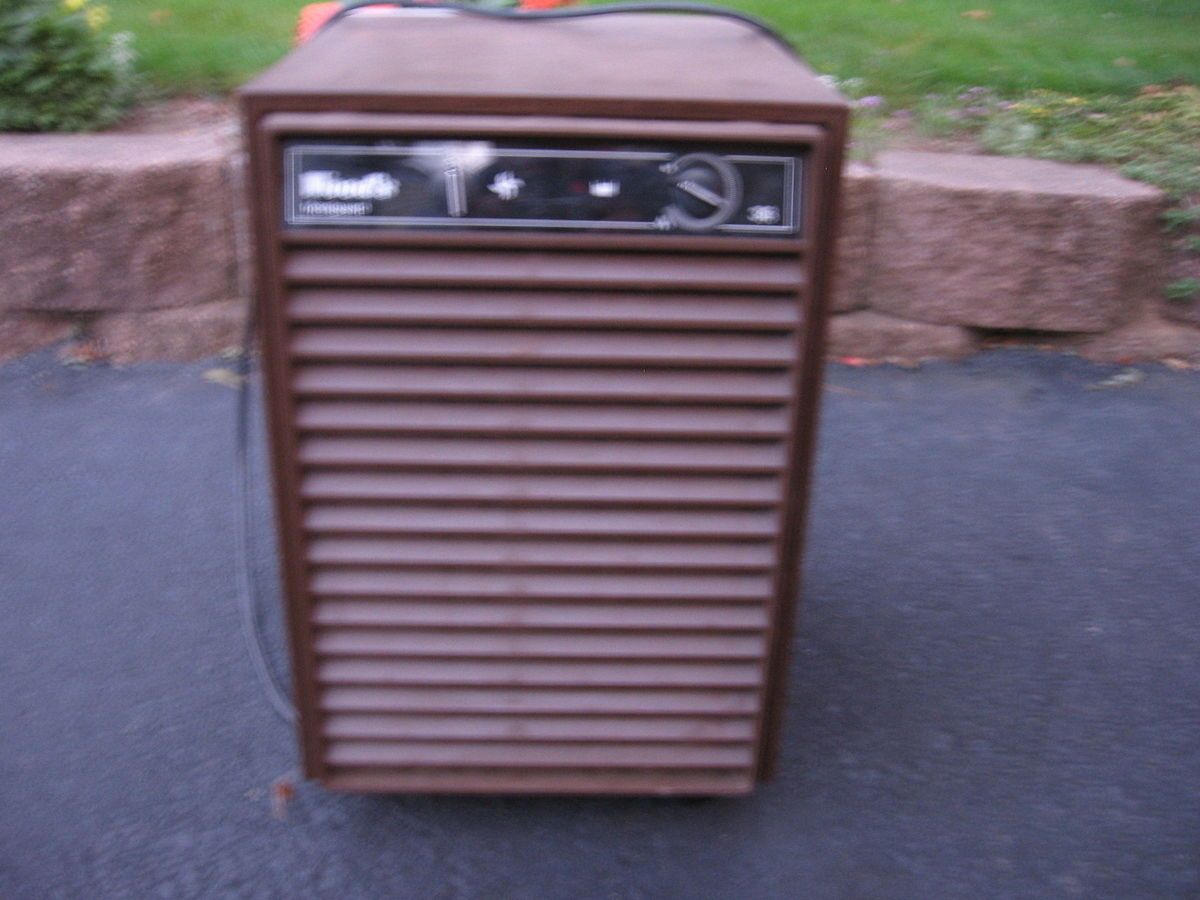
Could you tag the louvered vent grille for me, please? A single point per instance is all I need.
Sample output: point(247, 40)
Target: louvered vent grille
point(541, 493)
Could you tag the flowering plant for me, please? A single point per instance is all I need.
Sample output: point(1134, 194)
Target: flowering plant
point(59, 70)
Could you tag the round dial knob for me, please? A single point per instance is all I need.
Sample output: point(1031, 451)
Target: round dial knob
point(706, 191)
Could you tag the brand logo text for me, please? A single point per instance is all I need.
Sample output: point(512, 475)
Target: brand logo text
point(332, 186)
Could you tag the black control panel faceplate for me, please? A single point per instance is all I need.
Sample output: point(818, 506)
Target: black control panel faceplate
point(485, 184)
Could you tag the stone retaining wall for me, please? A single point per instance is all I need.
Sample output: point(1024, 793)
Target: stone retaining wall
point(941, 252)
point(126, 242)
point(127, 245)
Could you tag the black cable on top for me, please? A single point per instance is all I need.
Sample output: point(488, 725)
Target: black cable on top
point(586, 12)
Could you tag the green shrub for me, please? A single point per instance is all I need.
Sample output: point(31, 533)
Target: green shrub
point(1184, 290)
point(59, 71)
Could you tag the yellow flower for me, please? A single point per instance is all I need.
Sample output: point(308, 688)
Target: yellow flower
point(97, 17)
point(73, 5)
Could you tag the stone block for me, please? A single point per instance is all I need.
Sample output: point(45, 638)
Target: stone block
point(1144, 341)
point(117, 221)
point(1186, 312)
point(169, 334)
point(855, 229)
point(995, 242)
point(22, 333)
point(875, 336)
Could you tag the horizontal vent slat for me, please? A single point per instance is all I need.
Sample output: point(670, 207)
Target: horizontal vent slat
point(502, 383)
point(568, 780)
point(541, 728)
point(584, 523)
point(537, 308)
point(520, 490)
point(555, 455)
point(522, 755)
point(611, 587)
point(528, 673)
point(533, 419)
point(505, 616)
point(467, 554)
point(428, 643)
point(543, 701)
point(709, 351)
point(519, 269)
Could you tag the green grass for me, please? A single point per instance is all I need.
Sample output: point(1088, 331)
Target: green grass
point(903, 49)
point(1153, 136)
point(906, 48)
point(199, 46)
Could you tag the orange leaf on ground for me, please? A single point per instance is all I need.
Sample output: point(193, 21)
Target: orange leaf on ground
point(282, 792)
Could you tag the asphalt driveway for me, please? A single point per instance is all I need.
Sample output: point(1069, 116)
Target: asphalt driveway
point(996, 691)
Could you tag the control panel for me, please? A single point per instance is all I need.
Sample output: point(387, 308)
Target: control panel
point(486, 184)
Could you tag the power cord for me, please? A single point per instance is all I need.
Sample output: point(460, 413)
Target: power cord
point(247, 594)
point(542, 15)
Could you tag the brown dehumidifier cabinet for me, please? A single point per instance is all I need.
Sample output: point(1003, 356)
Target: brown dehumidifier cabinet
point(542, 309)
